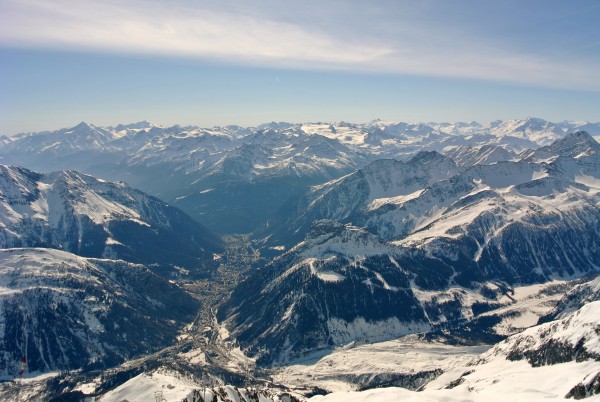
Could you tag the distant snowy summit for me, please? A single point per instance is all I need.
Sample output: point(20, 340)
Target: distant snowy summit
point(129, 137)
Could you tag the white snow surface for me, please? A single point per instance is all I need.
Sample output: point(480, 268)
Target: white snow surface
point(492, 377)
point(171, 386)
point(581, 326)
point(345, 135)
point(338, 370)
point(145, 386)
point(500, 381)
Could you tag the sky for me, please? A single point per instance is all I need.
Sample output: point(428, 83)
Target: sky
point(247, 62)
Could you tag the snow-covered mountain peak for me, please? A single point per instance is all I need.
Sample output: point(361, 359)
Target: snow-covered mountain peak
point(328, 238)
point(95, 218)
point(345, 134)
point(466, 156)
point(392, 178)
point(425, 157)
point(578, 145)
point(575, 144)
point(282, 125)
point(534, 129)
point(81, 126)
point(140, 125)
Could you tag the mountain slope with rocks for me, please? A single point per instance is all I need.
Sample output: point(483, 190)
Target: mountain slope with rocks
point(62, 311)
point(95, 218)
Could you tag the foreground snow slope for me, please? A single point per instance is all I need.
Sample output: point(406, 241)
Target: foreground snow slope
point(409, 362)
point(551, 361)
point(174, 387)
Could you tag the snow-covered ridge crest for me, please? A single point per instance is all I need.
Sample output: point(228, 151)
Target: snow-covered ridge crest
point(328, 238)
point(487, 154)
point(31, 196)
point(96, 218)
point(575, 145)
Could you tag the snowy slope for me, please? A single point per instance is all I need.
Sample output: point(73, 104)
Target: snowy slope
point(91, 217)
point(543, 354)
point(575, 299)
point(63, 311)
point(381, 182)
point(515, 381)
point(173, 387)
point(408, 362)
point(552, 361)
point(575, 337)
point(466, 156)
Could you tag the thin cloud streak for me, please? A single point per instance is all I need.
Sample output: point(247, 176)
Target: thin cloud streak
point(148, 28)
point(257, 39)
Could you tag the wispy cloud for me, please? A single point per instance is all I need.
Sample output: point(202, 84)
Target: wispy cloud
point(238, 34)
point(172, 29)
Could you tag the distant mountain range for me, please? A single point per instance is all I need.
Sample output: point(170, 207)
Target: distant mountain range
point(233, 178)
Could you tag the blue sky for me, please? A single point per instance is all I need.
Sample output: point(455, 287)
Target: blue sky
point(246, 62)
